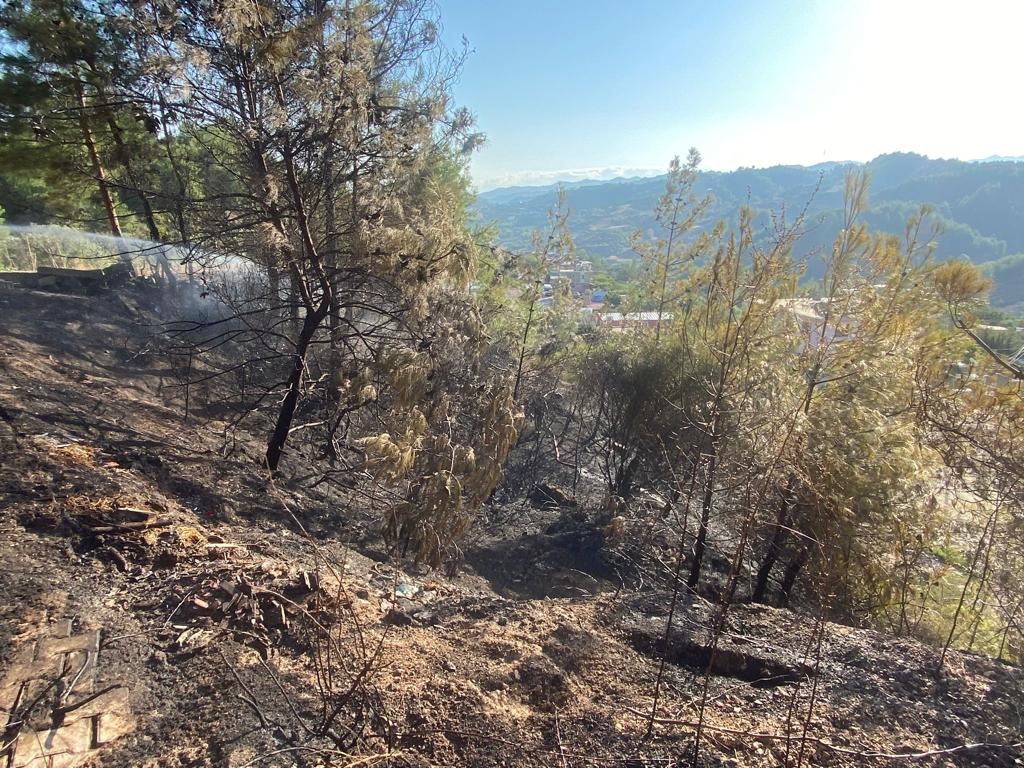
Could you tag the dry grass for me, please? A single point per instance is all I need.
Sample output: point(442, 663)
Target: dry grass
point(69, 454)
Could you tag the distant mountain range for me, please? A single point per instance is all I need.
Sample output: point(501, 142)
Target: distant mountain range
point(979, 204)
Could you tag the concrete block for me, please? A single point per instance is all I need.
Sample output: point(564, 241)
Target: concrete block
point(113, 725)
point(33, 748)
point(114, 700)
point(53, 646)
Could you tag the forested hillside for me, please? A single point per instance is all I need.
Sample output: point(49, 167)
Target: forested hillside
point(980, 207)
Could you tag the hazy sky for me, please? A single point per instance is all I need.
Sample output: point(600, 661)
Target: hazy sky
point(593, 88)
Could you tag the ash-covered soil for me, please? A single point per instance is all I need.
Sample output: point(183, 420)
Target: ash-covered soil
point(259, 624)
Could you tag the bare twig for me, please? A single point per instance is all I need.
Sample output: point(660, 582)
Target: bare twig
point(827, 745)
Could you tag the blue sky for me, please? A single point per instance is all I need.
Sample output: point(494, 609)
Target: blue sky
point(569, 89)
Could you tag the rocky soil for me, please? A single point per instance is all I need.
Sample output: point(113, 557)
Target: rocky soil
point(166, 605)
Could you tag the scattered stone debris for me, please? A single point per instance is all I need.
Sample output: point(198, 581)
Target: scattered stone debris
point(257, 613)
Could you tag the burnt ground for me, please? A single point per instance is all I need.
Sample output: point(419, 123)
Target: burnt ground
point(244, 638)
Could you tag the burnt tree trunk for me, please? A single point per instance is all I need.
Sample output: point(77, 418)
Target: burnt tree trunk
point(775, 547)
point(624, 477)
point(124, 155)
point(279, 437)
point(789, 577)
point(94, 157)
point(179, 176)
point(705, 519)
point(317, 310)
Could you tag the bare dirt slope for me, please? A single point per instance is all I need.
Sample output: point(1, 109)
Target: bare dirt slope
point(164, 607)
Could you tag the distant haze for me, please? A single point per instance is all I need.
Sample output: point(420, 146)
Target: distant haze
point(543, 178)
